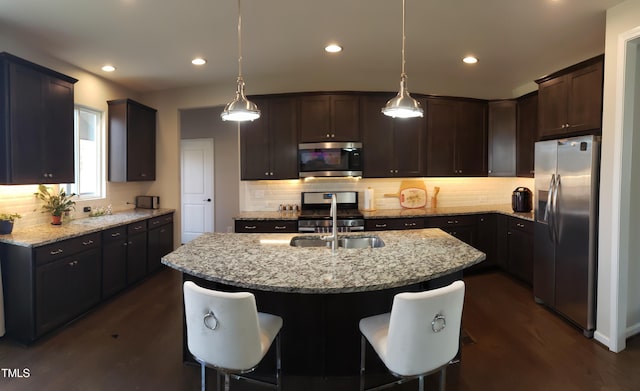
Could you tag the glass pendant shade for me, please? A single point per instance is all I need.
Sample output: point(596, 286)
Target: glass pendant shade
point(403, 105)
point(241, 108)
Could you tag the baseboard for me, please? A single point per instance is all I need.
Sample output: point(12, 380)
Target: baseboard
point(633, 330)
point(603, 339)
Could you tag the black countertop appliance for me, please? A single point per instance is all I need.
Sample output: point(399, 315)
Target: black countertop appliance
point(521, 200)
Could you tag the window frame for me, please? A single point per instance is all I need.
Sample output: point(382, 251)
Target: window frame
point(100, 138)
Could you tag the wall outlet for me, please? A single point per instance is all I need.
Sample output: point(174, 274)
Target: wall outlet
point(86, 209)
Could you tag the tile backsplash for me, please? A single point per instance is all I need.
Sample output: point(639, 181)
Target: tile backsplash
point(268, 195)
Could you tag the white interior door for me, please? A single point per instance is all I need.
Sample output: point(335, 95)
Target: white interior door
point(196, 167)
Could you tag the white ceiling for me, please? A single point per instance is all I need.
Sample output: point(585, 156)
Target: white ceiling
point(151, 42)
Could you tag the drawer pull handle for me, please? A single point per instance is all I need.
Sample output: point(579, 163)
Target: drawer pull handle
point(115, 234)
point(137, 227)
point(155, 222)
point(56, 252)
point(249, 227)
point(381, 226)
point(452, 221)
point(280, 227)
point(409, 224)
point(87, 243)
point(73, 263)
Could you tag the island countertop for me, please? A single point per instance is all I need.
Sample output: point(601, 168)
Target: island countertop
point(267, 262)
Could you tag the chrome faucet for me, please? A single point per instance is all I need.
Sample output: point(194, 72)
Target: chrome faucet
point(334, 227)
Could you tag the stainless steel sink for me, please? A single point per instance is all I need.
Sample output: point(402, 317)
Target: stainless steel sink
point(365, 241)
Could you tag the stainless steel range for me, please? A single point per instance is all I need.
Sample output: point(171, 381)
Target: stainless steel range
point(315, 208)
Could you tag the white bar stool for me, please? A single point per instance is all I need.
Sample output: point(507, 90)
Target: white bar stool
point(420, 335)
point(226, 332)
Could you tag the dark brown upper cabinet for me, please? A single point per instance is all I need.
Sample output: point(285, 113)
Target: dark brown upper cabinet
point(570, 101)
point(456, 137)
point(132, 141)
point(36, 123)
point(391, 147)
point(526, 132)
point(269, 145)
point(502, 138)
point(329, 117)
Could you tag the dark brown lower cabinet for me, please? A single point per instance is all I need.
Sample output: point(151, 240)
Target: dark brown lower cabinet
point(486, 240)
point(136, 251)
point(47, 286)
point(462, 227)
point(520, 249)
point(160, 237)
point(266, 226)
point(398, 223)
point(114, 260)
point(66, 288)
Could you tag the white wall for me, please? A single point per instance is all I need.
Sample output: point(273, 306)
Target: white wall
point(91, 91)
point(615, 252)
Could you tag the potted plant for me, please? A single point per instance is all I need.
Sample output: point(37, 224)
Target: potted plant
point(55, 203)
point(6, 222)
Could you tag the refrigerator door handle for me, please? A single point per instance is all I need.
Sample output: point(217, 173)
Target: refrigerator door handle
point(548, 212)
point(554, 210)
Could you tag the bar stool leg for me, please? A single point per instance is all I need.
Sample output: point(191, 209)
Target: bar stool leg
point(226, 382)
point(443, 378)
point(203, 374)
point(278, 364)
point(421, 383)
point(363, 349)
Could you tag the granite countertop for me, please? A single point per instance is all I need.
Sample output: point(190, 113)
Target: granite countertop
point(42, 234)
point(267, 261)
point(504, 209)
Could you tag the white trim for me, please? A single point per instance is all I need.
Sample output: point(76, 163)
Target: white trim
point(619, 264)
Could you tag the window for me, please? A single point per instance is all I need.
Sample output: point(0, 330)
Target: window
point(88, 149)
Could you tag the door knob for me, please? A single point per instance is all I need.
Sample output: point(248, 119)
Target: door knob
point(207, 200)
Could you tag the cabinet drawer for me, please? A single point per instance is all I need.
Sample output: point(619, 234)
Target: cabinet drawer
point(520, 225)
point(140, 226)
point(50, 252)
point(389, 224)
point(114, 234)
point(266, 226)
point(450, 221)
point(160, 220)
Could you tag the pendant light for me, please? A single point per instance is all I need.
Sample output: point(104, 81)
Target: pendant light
point(403, 105)
point(240, 109)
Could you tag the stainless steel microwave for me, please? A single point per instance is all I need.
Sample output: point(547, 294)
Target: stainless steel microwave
point(331, 159)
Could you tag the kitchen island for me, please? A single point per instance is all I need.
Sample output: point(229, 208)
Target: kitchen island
point(322, 296)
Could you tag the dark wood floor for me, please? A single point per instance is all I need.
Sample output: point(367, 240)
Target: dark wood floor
point(134, 342)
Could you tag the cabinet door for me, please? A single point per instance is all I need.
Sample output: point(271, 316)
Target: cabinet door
point(471, 139)
point(410, 146)
point(160, 244)
point(502, 138)
point(141, 143)
point(441, 128)
point(315, 118)
point(136, 256)
point(255, 145)
point(584, 111)
point(37, 126)
point(345, 118)
point(283, 138)
point(552, 109)
point(329, 118)
point(58, 152)
point(65, 288)
point(520, 248)
point(486, 240)
point(114, 261)
point(377, 137)
point(526, 132)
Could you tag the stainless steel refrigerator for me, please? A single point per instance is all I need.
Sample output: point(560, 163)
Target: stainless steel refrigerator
point(565, 234)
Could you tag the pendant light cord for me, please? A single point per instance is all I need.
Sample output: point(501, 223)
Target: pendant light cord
point(403, 36)
point(240, 41)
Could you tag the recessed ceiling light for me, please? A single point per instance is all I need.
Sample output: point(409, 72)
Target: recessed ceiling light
point(198, 61)
point(108, 68)
point(333, 48)
point(470, 60)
